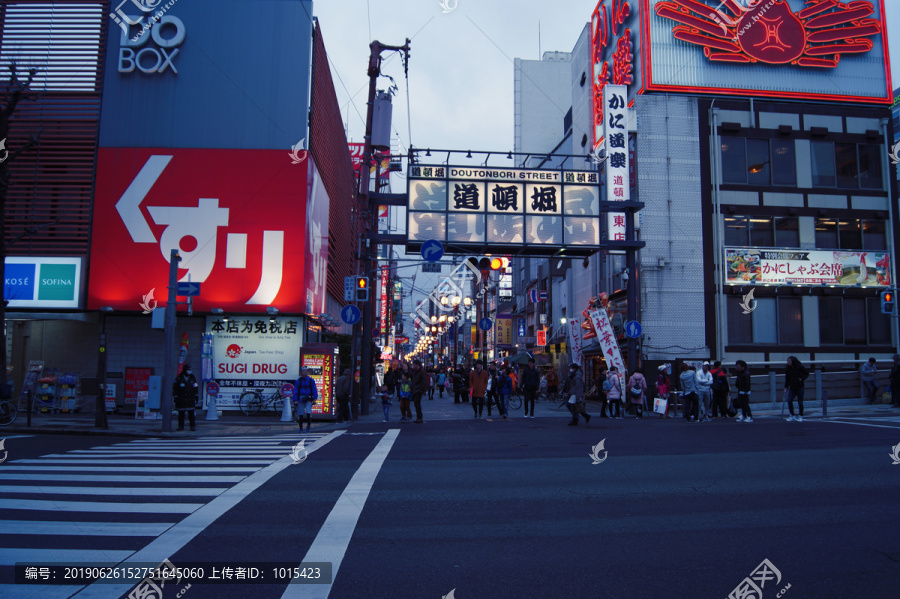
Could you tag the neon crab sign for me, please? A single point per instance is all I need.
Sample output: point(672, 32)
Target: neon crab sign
point(768, 31)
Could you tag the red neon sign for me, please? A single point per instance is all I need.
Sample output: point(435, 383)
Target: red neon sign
point(768, 31)
point(605, 26)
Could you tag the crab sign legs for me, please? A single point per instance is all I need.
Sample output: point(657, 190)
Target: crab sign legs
point(768, 31)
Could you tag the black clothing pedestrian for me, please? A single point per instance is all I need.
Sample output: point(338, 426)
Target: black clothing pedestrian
point(794, 376)
point(184, 392)
point(342, 390)
point(417, 384)
point(530, 382)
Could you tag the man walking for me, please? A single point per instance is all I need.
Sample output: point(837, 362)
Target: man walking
point(478, 381)
point(306, 395)
point(342, 389)
point(184, 391)
point(575, 391)
point(531, 381)
point(417, 388)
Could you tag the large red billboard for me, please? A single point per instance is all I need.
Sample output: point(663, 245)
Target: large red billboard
point(237, 217)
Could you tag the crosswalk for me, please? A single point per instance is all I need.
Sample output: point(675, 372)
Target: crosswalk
point(103, 504)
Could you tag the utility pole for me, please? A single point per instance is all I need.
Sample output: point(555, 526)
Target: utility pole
point(370, 250)
point(165, 394)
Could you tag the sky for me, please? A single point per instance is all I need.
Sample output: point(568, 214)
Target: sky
point(460, 83)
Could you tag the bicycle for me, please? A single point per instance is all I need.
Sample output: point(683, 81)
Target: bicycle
point(252, 402)
point(515, 401)
point(8, 412)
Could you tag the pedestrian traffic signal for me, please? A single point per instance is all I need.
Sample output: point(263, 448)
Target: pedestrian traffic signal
point(362, 289)
point(887, 302)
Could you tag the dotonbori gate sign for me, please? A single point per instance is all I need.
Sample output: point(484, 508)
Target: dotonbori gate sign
point(831, 50)
point(472, 208)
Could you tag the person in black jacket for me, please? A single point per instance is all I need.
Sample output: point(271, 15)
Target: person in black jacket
point(184, 391)
point(742, 384)
point(794, 376)
point(417, 384)
point(531, 381)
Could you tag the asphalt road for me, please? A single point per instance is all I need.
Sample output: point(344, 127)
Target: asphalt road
point(510, 509)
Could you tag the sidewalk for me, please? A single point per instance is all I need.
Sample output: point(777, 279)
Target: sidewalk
point(233, 423)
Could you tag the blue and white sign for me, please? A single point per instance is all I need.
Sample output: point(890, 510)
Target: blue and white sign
point(432, 250)
point(188, 289)
point(633, 329)
point(521, 327)
point(485, 324)
point(350, 314)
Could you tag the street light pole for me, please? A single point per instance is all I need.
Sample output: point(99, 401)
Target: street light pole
point(165, 399)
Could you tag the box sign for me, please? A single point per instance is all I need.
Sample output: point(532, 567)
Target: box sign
point(236, 217)
point(510, 210)
point(251, 352)
point(32, 282)
point(831, 51)
point(807, 267)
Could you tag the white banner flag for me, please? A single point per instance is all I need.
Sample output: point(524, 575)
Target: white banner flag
point(607, 338)
point(575, 340)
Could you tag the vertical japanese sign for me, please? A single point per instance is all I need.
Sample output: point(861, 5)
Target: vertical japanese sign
point(320, 367)
point(575, 340)
point(136, 380)
point(541, 338)
point(615, 100)
point(607, 338)
point(384, 302)
point(504, 331)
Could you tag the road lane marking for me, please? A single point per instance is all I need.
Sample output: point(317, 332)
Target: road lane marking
point(98, 506)
point(330, 545)
point(179, 535)
point(861, 424)
point(114, 491)
point(102, 529)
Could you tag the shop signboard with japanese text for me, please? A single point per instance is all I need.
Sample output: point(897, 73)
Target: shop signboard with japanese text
point(240, 231)
point(136, 380)
point(250, 352)
point(468, 208)
point(317, 209)
point(504, 331)
point(607, 339)
point(615, 101)
point(616, 53)
point(321, 363)
point(807, 267)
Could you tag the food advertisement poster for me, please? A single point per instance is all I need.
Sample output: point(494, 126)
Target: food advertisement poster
point(807, 267)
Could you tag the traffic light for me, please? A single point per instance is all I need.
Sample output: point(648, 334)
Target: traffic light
point(489, 263)
point(887, 302)
point(362, 289)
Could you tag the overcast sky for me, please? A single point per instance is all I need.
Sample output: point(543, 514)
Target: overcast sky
point(461, 65)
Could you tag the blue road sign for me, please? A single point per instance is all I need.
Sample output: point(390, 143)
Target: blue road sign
point(432, 250)
point(188, 289)
point(633, 329)
point(350, 314)
point(485, 324)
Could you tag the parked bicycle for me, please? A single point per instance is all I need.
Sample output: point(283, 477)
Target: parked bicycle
point(515, 401)
point(8, 412)
point(252, 402)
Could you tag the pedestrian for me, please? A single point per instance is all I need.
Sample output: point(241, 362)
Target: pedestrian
point(429, 383)
point(604, 387)
point(720, 389)
point(492, 397)
point(305, 395)
point(342, 390)
point(478, 381)
point(391, 380)
point(614, 394)
point(184, 393)
point(637, 390)
point(531, 382)
point(895, 382)
point(742, 384)
point(663, 386)
point(575, 390)
point(794, 376)
point(417, 388)
point(403, 392)
point(441, 382)
point(504, 390)
point(689, 397)
point(460, 389)
point(870, 380)
point(704, 391)
point(552, 381)
point(386, 403)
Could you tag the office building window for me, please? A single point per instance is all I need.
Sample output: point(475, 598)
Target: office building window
point(846, 166)
point(853, 321)
point(740, 330)
point(787, 231)
point(773, 321)
point(830, 318)
point(873, 235)
point(822, 153)
point(784, 162)
point(849, 234)
point(736, 231)
point(762, 232)
point(790, 321)
point(734, 160)
point(870, 173)
point(759, 161)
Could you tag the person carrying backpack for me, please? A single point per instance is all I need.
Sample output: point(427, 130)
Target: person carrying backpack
point(794, 376)
point(305, 394)
point(720, 389)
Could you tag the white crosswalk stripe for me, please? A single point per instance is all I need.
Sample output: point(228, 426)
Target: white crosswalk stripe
point(134, 492)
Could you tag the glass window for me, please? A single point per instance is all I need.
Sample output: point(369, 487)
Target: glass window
point(764, 329)
point(784, 163)
point(850, 237)
point(855, 321)
point(879, 324)
point(822, 153)
point(787, 231)
point(762, 234)
point(734, 160)
point(847, 167)
point(790, 321)
point(826, 234)
point(870, 166)
point(830, 317)
point(873, 235)
point(758, 162)
point(739, 324)
point(736, 231)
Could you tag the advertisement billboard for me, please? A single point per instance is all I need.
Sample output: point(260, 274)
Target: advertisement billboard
point(34, 282)
point(321, 361)
point(317, 210)
point(807, 267)
point(241, 232)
